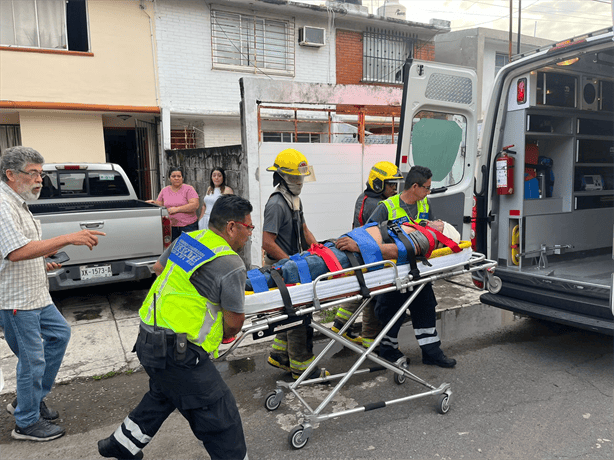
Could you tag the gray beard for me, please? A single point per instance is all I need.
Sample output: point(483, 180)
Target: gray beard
point(29, 196)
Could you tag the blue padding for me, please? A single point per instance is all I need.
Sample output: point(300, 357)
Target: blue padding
point(402, 257)
point(369, 249)
point(258, 280)
point(303, 268)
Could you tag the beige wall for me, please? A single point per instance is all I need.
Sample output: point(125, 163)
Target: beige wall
point(121, 71)
point(64, 136)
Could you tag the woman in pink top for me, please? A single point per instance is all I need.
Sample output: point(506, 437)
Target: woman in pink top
point(181, 201)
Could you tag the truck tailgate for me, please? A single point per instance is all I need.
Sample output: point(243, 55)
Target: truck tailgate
point(130, 233)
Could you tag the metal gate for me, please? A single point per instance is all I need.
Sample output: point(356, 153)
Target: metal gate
point(148, 171)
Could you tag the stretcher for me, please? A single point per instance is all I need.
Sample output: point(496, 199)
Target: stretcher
point(270, 312)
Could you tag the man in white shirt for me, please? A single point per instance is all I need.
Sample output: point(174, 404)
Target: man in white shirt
point(34, 329)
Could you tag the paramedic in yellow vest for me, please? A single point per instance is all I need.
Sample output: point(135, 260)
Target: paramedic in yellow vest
point(197, 299)
point(412, 202)
point(285, 232)
point(382, 183)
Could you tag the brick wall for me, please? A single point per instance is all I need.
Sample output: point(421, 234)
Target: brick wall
point(349, 57)
point(424, 51)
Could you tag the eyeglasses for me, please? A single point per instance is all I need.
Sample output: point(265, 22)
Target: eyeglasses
point(425, 187)
point(249, 227)
point(34, 174)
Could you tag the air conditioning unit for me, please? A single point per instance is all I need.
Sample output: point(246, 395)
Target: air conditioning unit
point(589, 94)
point(311, 36)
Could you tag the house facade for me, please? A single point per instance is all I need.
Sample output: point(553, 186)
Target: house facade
point(204, 48)
point(78, 83)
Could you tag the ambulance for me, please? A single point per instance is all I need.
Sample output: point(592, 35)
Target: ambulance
point(541, 178)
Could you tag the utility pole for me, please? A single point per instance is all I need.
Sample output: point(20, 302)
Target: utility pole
point(510, 34)
point(518, 38)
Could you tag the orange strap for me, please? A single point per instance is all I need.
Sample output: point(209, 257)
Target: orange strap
point(329, 258)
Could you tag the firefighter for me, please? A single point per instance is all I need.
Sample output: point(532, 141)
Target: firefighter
point(196, 301)
point(285, 232)
point(381, 184)
point(412, 202)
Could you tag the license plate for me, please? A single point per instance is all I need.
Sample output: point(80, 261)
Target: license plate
point(88, 273)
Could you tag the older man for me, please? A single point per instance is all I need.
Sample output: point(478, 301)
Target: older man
point(33, 327)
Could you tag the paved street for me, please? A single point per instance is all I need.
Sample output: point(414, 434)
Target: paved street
point(522, 389)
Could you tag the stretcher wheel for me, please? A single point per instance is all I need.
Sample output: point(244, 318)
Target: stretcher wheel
point(296, 438)
point(443, 403)
point(399, 379)
point(272, 401)
point(494, 284)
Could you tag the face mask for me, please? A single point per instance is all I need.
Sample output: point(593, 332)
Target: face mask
point(295, 189)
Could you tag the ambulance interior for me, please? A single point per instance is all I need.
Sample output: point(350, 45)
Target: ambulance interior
point(558, 220)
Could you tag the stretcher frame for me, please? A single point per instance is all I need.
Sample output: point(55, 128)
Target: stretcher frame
point(300, 434)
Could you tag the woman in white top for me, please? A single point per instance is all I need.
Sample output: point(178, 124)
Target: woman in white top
point(217, 188)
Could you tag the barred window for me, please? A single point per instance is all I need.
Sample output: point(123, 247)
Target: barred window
point(272, 136)
point(252, 43)
point(384, 53)
point(183, 139)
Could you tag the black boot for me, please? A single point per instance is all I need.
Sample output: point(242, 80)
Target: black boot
point(437, 358)
point(109, 448)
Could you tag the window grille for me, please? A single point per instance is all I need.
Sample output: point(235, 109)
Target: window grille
point(384, 53)
point(308, 138)
point(252, 43)
point(183, 139)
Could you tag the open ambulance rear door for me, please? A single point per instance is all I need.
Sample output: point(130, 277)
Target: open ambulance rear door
point(439, 130)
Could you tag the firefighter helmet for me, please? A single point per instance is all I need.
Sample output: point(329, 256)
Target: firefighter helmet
point(382, 172)
point(292, 164)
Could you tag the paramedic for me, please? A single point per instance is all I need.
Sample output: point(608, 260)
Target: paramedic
point(34, 329)
point(285, 232)
point(412, 202)
point(196, 300)
point(381, 184)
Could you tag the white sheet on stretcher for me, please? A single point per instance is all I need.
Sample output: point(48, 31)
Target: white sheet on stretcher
point(327, 289)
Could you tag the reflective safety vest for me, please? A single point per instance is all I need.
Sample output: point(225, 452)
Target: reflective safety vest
point(179, 306)
point(397, 215)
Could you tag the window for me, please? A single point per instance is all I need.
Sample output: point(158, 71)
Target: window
point(309, 138)
point(10, 136)
point(250, 43)
point(438, 141)
point(183, 138)
point(501, 60)
point(67, 184)
point(384, 53)
point(48, 24)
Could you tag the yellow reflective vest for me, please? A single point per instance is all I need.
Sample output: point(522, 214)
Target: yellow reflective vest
point(397, 214)
point(179, 307)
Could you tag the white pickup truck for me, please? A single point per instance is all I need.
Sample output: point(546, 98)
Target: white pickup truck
point(100, 197)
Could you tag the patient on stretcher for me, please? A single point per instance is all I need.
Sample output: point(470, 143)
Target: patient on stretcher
point(370, 243)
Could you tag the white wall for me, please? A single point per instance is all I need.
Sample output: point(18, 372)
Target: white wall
point(189, 85)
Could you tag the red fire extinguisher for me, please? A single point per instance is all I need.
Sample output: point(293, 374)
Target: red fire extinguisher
point(505, 171)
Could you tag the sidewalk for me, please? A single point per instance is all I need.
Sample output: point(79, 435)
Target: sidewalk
point(104, 328)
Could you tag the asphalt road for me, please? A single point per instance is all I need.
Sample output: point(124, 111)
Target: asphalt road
point(522, 389)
